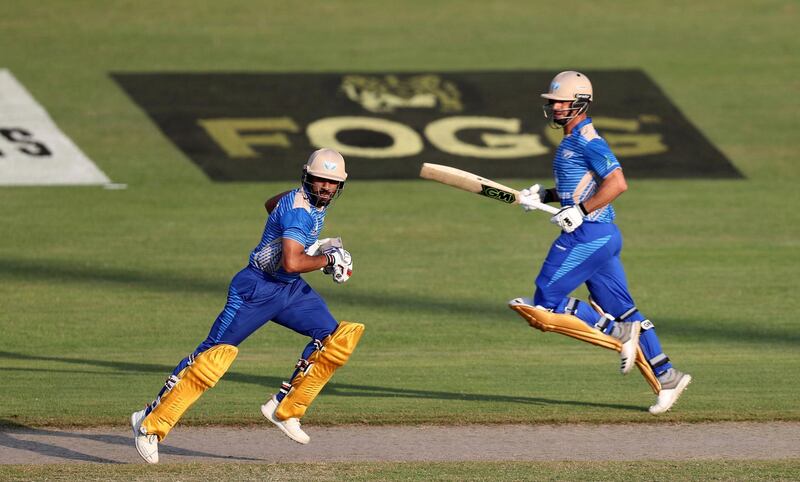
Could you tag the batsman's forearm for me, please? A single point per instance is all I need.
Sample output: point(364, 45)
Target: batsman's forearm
point(610, 189)
point(295, 259)
point(303, 263)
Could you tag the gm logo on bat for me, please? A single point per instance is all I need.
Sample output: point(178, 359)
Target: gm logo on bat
point(499, 194)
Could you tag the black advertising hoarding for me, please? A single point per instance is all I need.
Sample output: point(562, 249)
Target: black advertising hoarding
point(263, 126)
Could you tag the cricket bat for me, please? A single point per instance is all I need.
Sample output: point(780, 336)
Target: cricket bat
point(468, 181)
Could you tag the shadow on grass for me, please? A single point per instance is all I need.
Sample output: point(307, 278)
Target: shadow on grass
point(17, 436)
point(331, 389)
point(59, 271)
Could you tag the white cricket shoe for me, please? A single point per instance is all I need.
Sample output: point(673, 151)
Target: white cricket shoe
point(290, 426)
point(673, 383)
point(629, 336)
point(146, 445)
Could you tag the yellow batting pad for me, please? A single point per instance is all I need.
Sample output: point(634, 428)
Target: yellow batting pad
point(566, 325)
point(193, 381)
point(647, 371)
point(574, 327)
point(306, 385)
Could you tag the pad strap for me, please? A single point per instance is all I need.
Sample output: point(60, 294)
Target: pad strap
point(572, 306)
point(604, 322)
point(658, 360)
point(628, 314)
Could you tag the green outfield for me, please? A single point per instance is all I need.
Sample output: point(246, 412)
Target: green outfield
point(567, 471)
point(103, 291)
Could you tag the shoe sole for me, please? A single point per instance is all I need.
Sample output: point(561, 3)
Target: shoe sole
point(628, 362)
point(133, 423)
point(685, 381)
point(266, 413)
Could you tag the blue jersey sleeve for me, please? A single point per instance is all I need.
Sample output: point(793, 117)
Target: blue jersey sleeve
point(297, 225)
point(600, 158)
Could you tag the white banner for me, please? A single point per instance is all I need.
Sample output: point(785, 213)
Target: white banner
point(33, 151)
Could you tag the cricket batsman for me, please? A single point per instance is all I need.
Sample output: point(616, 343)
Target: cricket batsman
point(588, 178)
point(270, 288)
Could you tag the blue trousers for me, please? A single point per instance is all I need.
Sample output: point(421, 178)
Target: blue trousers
point(591, 255)
point(255, 298)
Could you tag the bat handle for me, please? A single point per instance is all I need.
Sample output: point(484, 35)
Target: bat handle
point(546, 208)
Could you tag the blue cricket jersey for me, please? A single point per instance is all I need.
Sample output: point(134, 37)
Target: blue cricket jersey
point(583, 159)
point(294, 218)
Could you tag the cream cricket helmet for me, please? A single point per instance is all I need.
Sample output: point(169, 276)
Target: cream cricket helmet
point(568, 86)
point(324, 164)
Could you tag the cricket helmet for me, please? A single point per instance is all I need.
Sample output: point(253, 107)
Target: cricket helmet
point(323, 164)
point(568, 86)
point(326, 164)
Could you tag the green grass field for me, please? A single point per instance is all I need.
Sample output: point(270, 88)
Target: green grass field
point(568, 471)
point(102, 292)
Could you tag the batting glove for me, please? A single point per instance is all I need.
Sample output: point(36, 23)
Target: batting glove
point(314, 249)
point(340, 264)
point(531, 198)
point(569, 218)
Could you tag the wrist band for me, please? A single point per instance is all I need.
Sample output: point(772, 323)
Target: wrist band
point(583, 209)
point(330, 259)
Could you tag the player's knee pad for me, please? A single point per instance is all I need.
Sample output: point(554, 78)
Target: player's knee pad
point(203, 373)
point(333, 353)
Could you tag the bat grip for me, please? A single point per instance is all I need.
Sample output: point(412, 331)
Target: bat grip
point(546, 208)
